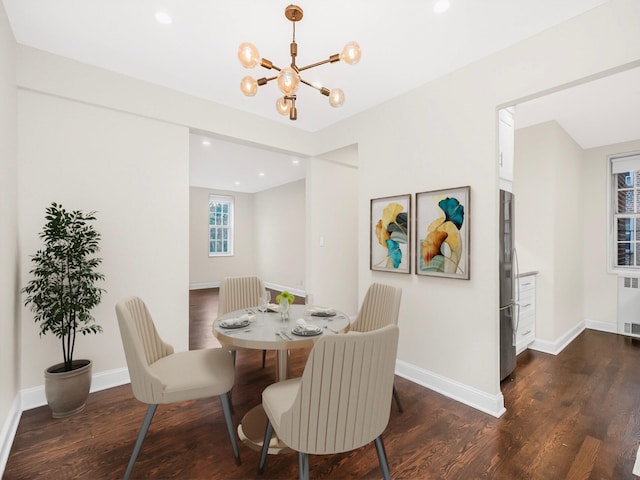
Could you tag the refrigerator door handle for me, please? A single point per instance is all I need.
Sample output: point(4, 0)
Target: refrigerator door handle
point(516, 322)
point(515, 319)
point(517, 281)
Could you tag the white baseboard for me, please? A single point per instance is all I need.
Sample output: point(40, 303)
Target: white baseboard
point(35, 397)
point(601, 326)
point(272, 286)
point(201, 285)
point(491, 404)
point(8, 433)
point(556, 346)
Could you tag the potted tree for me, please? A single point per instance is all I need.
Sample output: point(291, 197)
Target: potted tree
point(61, 294)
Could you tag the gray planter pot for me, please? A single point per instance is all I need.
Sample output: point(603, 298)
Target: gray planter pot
point(67, 392)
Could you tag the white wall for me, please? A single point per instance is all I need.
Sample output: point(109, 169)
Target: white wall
point(205, 271)
point(600, 287)
point(269, 237)
point(443, 134)
point(332, 213)
point(549, 221)
point(278, 235)
point(568, 223)
point(135, 173)
point(9, 324)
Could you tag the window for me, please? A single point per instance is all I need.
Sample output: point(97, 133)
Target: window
point(220, 225)
point(624, 224)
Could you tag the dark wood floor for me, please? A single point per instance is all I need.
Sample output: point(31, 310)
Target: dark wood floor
point(571, 416)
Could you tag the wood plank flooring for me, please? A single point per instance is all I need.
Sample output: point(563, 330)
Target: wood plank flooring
point(571, 416)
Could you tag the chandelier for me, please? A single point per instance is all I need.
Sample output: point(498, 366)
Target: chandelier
point(289, 78)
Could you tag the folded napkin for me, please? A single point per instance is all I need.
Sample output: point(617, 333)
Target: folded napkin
point(321, 311)
point(301, 324)
point(231, 322)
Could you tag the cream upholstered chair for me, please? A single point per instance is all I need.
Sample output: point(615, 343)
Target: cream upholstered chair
point(237, 293)
point(158, 374)
point(380, 307)
point(341, 402)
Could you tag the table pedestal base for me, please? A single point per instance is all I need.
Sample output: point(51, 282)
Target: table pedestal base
point(251, 432)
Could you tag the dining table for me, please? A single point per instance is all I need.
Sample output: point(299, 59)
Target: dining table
point(270, 330)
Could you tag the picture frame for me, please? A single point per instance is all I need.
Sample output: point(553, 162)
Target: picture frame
point(442, 233)
point(390, 234)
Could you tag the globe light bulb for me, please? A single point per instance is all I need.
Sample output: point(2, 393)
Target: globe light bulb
point(283, 106)
point(441, 6)
point(351, 53)
point(288, 81)
point(336, 97)
point(249, 86)
point(248, 55)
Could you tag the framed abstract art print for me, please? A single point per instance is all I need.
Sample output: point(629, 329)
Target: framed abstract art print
point(442, 233)
point(390, 232)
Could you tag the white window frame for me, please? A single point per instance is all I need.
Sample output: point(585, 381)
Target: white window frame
point(620, 163)
point(228, 228)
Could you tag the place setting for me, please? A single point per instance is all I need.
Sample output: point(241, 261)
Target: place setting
point(304, 329)
point(237, 322)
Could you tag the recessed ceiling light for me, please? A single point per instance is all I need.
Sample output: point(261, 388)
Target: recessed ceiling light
point(164, 18)
point(237, 182)
point(441, 6)
point(295, 162)
point(261, 174)
point(206, 142)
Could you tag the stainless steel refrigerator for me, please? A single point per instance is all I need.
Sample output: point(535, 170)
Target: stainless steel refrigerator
point(508, 292)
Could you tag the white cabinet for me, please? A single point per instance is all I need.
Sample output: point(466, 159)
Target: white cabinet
point(506, 133)
point(526, 332)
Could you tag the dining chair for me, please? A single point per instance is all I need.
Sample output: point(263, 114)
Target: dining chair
point(239, 293)
point(341, 402)
point(380, 307)
point(158, 374)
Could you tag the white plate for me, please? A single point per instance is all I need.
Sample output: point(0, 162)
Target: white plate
point(306, 331)
point(321, 312)
point(233, 323)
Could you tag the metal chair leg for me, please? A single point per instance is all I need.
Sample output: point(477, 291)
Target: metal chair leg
point(303, 466)
point(264, 358)
point(226, 408)
point(382, 458)
point(151, 409)
point(265, 446)
point(396, 397)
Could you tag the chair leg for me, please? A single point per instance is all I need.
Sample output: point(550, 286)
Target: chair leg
point(226, 408)
point(303, 466)
point(264, 358)
point(151, 409)
point(382, 458)
point(265, 446)
point(396, 397)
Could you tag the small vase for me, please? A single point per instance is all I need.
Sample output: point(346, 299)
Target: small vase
point(284, 309)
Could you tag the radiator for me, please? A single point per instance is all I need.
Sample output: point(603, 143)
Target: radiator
point(629, 306)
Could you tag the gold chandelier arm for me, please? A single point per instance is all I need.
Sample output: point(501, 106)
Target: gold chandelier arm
point(323, 90)
point(331, 59)
point(265, 80)
point(268, 64)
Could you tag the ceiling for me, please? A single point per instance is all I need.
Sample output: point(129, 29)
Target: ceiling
point(405, 44)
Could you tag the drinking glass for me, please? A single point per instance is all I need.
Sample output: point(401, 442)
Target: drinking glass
point(265, 298)
point(308, 299)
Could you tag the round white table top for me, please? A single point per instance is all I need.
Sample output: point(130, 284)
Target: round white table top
point(266, 331)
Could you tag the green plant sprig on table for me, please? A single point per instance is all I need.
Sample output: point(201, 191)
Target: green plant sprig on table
point(289, 296)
